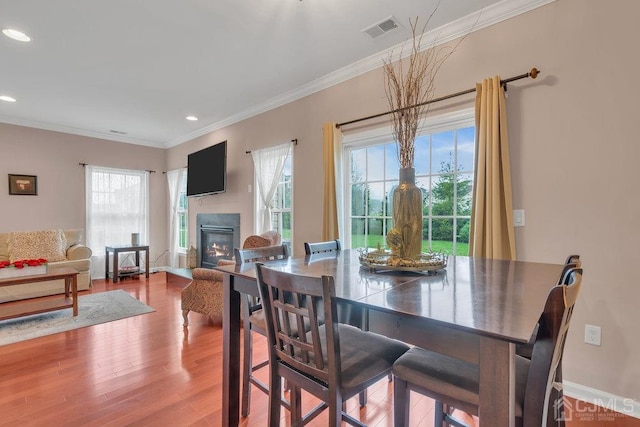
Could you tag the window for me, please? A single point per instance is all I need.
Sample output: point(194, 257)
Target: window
point(117, 206)
point(274, 175)
point(281, 203)
point(182, 212)
point(444, 161)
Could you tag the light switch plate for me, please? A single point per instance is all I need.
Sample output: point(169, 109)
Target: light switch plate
point(518, 217)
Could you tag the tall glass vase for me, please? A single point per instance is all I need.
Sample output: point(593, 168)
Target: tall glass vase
point(405, 239)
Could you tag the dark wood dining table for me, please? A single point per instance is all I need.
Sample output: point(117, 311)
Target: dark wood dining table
point(475, 309)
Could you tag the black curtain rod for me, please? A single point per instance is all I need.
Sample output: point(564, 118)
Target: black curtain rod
point(85, 164)
point(533, 74)
point(295, 142)
point(165, 172)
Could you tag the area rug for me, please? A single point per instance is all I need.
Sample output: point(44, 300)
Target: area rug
point(92, 309)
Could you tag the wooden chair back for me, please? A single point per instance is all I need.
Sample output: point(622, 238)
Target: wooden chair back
point(252, 304)
point(293, 303)
point(321, 247)
point(524, 350)
point(261, 254)
point(574, 259)
point(548, 348)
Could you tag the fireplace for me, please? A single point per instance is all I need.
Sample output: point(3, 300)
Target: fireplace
point(218, 235)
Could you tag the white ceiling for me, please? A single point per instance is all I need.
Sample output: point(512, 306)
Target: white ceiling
point(140, 67)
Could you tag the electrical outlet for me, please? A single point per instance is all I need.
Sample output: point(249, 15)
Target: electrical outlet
point(592, 334)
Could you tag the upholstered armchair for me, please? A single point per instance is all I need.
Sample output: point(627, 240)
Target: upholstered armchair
point(204, 293)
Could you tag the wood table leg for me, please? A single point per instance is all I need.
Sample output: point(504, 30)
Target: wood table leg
point(106, 266)
point(74, 293)
point(497, 383)
point(230, 354)
point(116, 267)
point(146, 263)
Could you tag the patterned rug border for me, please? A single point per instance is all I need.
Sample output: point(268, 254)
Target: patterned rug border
point(93, 309)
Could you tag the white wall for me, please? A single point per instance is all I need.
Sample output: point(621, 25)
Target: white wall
point(54, 158)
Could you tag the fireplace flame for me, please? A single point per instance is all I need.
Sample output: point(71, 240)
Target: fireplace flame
point(218, 250)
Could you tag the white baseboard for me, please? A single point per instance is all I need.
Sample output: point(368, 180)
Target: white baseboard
point(626, 406)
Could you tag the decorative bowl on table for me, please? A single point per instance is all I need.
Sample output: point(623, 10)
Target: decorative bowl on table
point(384, 260)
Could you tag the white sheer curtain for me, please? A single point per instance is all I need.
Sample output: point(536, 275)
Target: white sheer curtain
point(117, 205)
point(176, 179)
point(268, 164)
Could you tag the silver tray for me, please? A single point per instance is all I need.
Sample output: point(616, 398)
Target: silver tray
point(377, 261)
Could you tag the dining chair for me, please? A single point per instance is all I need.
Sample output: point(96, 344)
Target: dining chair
point(321, 247)
point(332, 361)
point(454, 383)
point(253, 321)
point(346, 314)
point(526, 350)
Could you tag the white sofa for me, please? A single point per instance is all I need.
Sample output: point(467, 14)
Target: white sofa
point(62, 248)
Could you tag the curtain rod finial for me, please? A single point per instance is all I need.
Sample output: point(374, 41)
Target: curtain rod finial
point(534, 73)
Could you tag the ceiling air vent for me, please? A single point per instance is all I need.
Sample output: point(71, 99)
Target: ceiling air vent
point(382, 27)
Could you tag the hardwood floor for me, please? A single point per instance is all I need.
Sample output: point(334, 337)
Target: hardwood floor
point(149, 370)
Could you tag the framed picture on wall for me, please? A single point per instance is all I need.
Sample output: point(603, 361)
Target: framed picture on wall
point(23, 185)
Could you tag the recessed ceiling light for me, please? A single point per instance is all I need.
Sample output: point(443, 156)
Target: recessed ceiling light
point(16, 35)
point(192, 118)
point(7, 98)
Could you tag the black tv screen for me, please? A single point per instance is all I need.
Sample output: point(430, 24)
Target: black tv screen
point(207, 170)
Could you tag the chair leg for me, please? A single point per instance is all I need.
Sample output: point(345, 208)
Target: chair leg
point(335, 409)
point(363, 398)
point(438, 412)
point(275, 399)
point(247, 364)
point(185, 316)
point(400, 402)
point(295, 403)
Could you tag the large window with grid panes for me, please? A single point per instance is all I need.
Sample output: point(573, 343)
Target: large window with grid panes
point(444, 163)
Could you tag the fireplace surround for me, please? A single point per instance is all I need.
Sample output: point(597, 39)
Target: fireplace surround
point(217, 236)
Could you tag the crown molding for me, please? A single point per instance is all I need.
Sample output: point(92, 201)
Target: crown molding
point(76, 131)
point(486, 17)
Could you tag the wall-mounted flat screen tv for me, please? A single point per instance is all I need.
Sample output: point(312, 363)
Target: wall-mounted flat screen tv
point(207, 170)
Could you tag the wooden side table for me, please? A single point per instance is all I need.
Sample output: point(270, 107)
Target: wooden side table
point(116, 269)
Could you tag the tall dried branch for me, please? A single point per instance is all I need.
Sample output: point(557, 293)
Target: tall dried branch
point(410, 85)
